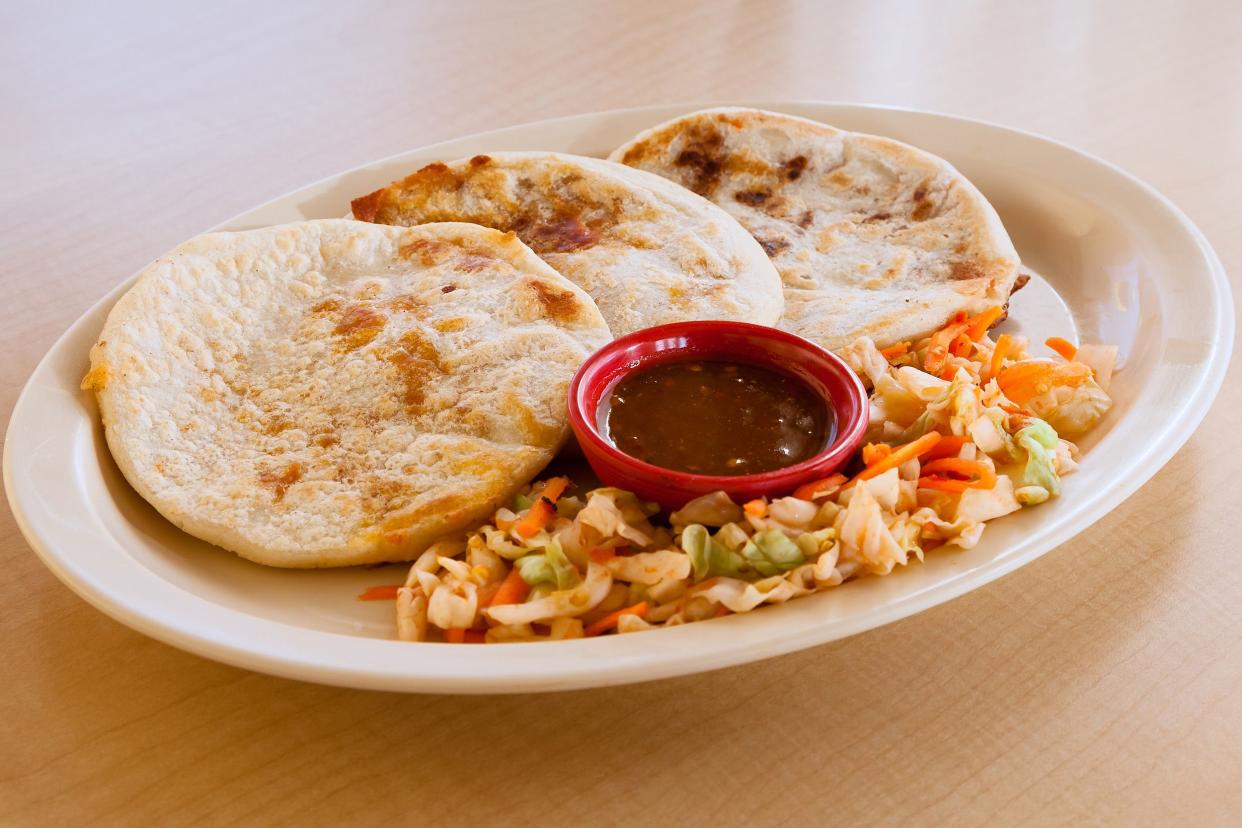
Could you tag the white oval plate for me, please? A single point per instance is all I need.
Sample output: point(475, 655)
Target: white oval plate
point(1120, 264)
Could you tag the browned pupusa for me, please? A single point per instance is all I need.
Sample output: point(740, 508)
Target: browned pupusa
point(872, 237)
point(647, 251)
point(335, 392)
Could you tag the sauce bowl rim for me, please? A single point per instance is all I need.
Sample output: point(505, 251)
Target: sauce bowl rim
point(583, 412)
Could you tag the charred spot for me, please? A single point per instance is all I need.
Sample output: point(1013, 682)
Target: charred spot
point(752, 197)
point(448, 288)
point(358, 326)
point(773, 246)
point(794, 167)
point(880, 216)
point(1020, 282)
point(806, 219)
point(562, 234)
point(480, 161)
point(279, 482)
point(702, 157)
point(923, 207)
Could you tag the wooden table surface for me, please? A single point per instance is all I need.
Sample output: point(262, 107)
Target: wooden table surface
point(1100, 684)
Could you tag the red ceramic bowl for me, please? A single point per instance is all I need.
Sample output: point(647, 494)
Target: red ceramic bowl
point(823, 372)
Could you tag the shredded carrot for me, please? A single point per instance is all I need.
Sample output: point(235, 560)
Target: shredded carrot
point(542, 510)
point(602, 556)
point(820, 488)
point(872, 453)
point(893, 351)
point(941, 340)
point(387, 592)
point(513, 589)
point(1010, 408)
point(1028, 379)
point(487, 592)
point(758, 508)
point(609, 621)
point(461, 635)
point(948, 371)
point(1062, 346)
point(949, 446)
point(944, 484)
point(978, 325)
point(901, 454)
point(985, 478)
point(961, 345)
point(1003, 343)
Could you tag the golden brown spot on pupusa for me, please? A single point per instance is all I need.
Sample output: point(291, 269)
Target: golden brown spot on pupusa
point(96, 378)
point(473, 263)
point(960, 270)
point(405, 303)
point(326, 307)
point(276, 425)
point(358, 326)
point(279, 482)
point(417, 361)
point(534, 429)
point(558, 303)
point(367, 207)
point(428, 252)
point(839, 178)
point(451, 325)
point(923, 206)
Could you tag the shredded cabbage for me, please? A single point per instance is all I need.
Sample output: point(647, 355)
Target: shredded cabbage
point(708, 557)
point(771, 552)
point(1039, 440)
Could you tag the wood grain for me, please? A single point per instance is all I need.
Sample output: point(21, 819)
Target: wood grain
point(1100, 685)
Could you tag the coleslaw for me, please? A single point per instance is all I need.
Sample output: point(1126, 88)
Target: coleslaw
point(963, 429)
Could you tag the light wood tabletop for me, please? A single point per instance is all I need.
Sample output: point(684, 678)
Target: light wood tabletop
point(1101, 684)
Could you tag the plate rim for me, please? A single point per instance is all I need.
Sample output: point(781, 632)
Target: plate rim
point(598, 672)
